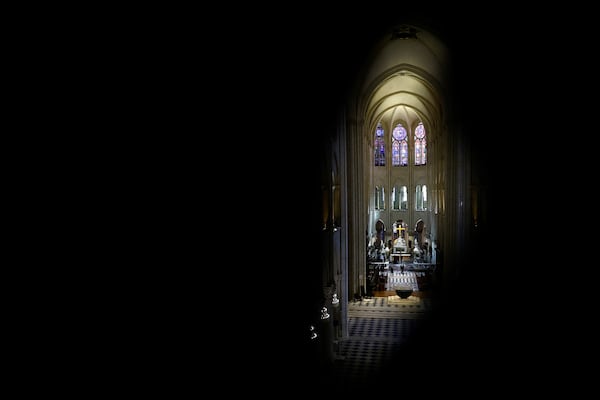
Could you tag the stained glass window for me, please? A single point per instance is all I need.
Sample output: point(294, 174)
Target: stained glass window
point(379, 146)
point(403, 198)
point(420, 145)
point(399, 146)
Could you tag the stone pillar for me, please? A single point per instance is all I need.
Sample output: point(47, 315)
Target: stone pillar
point(326, 326)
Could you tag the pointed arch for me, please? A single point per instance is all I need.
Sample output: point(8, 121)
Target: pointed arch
point(379, 146)
point(399, 146)
point(420, 145)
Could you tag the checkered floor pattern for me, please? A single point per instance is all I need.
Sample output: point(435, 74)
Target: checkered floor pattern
point(372, 344)
point(390, 330)
point(377, 329)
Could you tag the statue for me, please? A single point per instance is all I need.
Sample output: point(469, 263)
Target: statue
point(419, 233)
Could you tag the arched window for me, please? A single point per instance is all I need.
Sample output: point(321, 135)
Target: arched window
point(399, 198)
point(421, 202)
point(379, 146)
point(395, 199)
point(420, 145)
point(379, 198)
point(399, 146)
point(403, 198)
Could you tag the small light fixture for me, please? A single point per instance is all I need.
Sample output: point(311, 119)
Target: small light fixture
point(313, 334)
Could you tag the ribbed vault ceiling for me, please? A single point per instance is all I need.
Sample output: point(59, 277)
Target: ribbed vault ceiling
point(403, 84)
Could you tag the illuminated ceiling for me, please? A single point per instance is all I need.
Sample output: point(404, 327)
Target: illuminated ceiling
point(405, 80)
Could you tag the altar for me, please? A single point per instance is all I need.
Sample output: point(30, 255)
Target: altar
point(397, 258)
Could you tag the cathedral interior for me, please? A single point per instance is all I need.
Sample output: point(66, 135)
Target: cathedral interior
point(395, 196)
point(385, 231)
point(396, 127)
point(384, 200)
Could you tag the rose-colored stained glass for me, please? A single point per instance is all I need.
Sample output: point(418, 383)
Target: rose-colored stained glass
point(420, 145)
point(399, 146)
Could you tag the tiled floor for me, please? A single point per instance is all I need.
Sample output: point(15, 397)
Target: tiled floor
point(377, 329)
point(372, 344)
